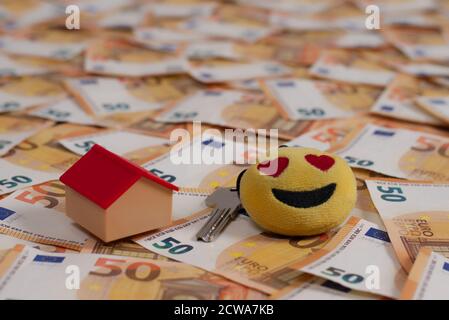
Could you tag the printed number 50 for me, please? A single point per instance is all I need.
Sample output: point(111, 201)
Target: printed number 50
point(392, 194)
point(347, 277)
point(169, 243)
point(14, 181)
point(114, 269)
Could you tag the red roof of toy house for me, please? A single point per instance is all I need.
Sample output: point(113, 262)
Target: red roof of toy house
point(103, 176)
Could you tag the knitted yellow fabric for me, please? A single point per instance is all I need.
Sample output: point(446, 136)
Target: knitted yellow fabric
point(307, 193)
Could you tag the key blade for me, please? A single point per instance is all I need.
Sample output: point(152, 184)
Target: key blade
point(213, 228)
point(208, 232)
point(203, 234)
point(217, 222)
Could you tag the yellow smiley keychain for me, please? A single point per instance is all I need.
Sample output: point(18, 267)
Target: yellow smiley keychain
point(301, 192)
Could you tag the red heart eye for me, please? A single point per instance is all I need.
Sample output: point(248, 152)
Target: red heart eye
point(273, 167)
point(322, 162)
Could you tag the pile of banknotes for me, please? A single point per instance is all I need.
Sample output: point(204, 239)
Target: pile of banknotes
point(314, 73)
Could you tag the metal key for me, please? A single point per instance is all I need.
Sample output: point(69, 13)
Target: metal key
point(227, 205)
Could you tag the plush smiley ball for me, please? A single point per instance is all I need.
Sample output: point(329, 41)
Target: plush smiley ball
point(301, 192)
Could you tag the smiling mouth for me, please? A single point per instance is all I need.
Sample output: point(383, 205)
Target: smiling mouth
point(305, 199)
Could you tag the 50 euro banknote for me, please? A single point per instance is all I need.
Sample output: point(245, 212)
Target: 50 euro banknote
point(398, 100)
point(64, 110)
point(422, 44)
point(428, 278)
point(25, 14)
point(415, 215)
point(244, 253)
point(351, 68)
point(437, 106)
point(37, 214)
point(233, 109)
point(316, 288)
point(16, 67)
point(119, 142)
point(29, 91)
point(14, 130)
point(205, 161)
point(27, 273)
point(38, 159)
point(360, 256)
point(398, 152)
point(8, 242)
point(120, 57)
point(94, 94)
point(14, 177)
point(300, 99)
point(49, 44)
point(224, 71)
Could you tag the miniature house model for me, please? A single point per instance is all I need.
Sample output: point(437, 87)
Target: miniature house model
point(113, 198)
